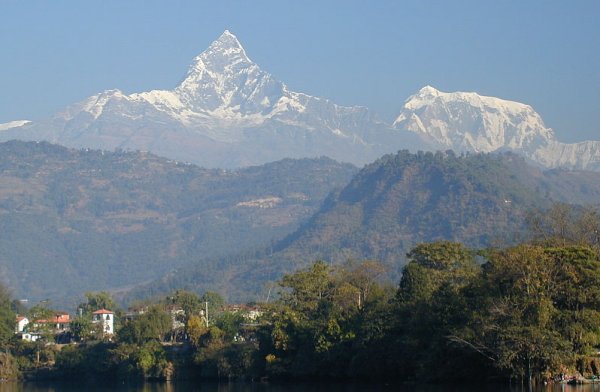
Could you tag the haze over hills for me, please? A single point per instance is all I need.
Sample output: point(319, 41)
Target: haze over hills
point(395, 203)
point(228, 112)
point(83, 220)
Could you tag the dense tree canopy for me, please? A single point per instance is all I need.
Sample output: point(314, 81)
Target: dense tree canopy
point(154, 324)
point(96, 301)
point(529, 311)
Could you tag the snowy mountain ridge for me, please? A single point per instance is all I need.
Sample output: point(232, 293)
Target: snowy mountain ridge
point(228, 112)
point(13, 124)
point(466, 121)
point(223, 88)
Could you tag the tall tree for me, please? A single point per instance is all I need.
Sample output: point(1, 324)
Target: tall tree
point(577, 298)
point(515, 318)
point(152, 325)
point(7, 316)
point(362, 277)
point(564, 224)
point(429, 307)
point(97, 300)
point(304, 289)
point(189, 302)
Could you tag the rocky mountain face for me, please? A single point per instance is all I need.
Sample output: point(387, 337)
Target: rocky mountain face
point(228, 112)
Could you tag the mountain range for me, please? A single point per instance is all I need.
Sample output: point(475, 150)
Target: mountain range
point(228, 112)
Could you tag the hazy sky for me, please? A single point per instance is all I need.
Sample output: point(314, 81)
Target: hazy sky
point(371, 53)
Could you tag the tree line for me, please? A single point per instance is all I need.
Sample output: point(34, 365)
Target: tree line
point(528, 312)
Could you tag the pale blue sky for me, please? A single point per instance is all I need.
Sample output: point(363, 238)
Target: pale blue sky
point(376, 54)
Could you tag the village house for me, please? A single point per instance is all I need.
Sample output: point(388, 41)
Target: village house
point(22, 322)
point(29, 336)
point(175, 311)
point(177, 316)
point(134, 312)
point(250, 313)
point(32, 331)
point(21, 330)
point(254, 313)
point(106, 318)
point(57, 323)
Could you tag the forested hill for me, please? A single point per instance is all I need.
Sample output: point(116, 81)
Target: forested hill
point(399, 201)
point(403, 199)
point(79, 220)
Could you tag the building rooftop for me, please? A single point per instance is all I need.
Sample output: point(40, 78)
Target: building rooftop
point(103, 311)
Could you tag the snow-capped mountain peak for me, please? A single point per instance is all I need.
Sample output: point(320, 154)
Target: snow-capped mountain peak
point(429, 90)
point(228, 112)
point(467, 121)
point(220, 56)
point(223, 79)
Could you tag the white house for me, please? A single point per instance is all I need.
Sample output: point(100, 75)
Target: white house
point(106, 318)
point(22, 322)
point(30, 336)
point(177, 316)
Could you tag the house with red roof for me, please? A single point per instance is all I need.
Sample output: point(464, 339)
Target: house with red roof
point(59, 322)
point(106, 318)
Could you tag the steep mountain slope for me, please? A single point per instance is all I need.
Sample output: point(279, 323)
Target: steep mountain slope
point(470, 122)
point(78, 220)
point(227, 112)
point(403, 199)
point(397, 202)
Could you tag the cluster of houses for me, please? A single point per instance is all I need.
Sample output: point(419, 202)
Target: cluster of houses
point(251, 313)
point(59, 323)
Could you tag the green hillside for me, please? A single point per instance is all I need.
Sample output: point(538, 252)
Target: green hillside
point(80, 220)
point(404, 199)
point(396, 202)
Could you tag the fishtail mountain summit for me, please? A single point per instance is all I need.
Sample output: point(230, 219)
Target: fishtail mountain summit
point(228, 112)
